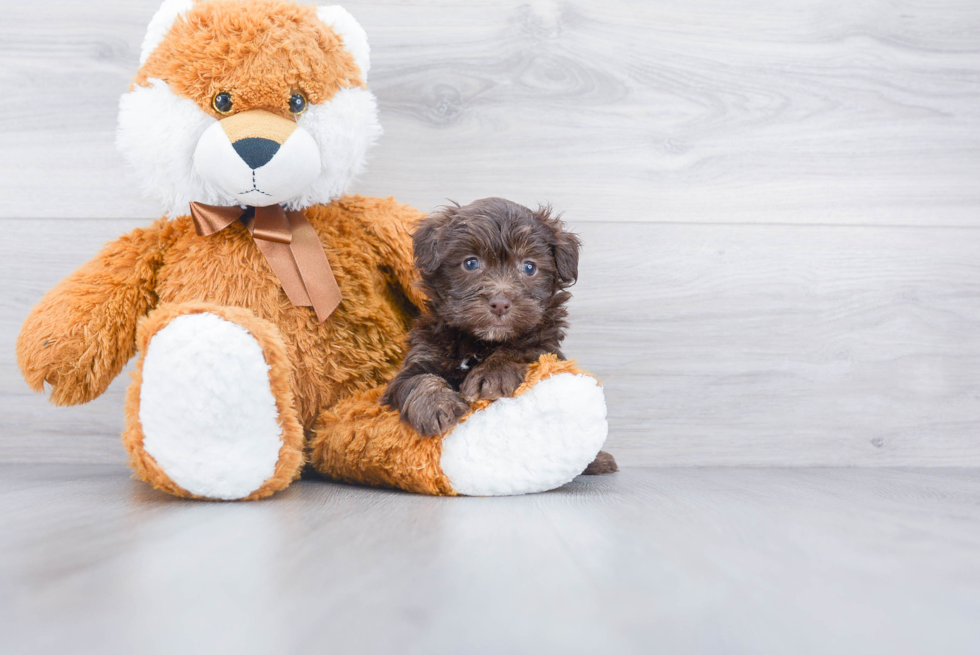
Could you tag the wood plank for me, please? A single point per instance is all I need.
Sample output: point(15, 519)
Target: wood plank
point(648, 560)
point(627, 110)
point(783, 345)
point(717, 345)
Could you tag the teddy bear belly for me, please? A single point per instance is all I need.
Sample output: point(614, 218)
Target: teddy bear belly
point(360, 346)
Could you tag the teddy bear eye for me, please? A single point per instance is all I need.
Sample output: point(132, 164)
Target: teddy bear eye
point(297, 104)
point(529, 268)
point(471, 264)
point(222, 102)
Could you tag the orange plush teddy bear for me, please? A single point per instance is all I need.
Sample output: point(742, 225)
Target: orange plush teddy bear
point(268, 308)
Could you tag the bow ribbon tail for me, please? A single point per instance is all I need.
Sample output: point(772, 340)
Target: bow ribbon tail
point(314, 268)
point(289, 244)
point(281, 261)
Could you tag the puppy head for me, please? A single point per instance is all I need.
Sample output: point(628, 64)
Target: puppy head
point(493, 268)
point(249, 102)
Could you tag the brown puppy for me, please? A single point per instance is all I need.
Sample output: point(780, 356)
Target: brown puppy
point(495, 274)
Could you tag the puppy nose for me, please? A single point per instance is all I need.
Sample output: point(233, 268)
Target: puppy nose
point(256, 152)
point(499, 305)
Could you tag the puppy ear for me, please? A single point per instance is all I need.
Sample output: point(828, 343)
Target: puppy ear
point(564, 246)
point(427, 240)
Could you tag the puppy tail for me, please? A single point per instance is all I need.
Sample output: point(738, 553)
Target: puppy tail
point(602, 464)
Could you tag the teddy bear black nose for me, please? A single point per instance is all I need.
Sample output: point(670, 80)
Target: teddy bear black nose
point(256, 152)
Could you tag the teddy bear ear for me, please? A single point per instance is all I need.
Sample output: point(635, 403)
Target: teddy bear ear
point(350, 31)
point(161, 23)
point(333, 16)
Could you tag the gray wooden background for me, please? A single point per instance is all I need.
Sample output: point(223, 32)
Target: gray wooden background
point(780, 203)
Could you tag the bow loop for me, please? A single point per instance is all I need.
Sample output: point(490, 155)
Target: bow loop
point(289, 244)
point(211, 219)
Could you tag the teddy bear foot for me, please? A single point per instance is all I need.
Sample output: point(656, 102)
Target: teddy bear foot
point(541, 438)
point(210, 413)
point(535, 441)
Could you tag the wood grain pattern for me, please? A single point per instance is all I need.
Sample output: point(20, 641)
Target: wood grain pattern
point(805, 112)
point(648, 560)
point(717, 345)
point(783, 345)
point(793, 298)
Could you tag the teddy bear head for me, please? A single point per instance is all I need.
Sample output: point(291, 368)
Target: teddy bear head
point(249, 103)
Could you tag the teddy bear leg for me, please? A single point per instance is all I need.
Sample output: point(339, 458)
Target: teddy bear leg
point(357, 440)
point(210, 412)
point(543, 437)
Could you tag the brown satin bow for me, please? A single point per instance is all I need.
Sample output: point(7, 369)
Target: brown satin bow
point(290, 245)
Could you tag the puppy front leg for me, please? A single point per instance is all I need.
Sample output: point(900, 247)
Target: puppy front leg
point(427, 403)
point(497, 377)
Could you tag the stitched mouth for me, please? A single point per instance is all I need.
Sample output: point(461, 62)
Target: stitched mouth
point(254, 188)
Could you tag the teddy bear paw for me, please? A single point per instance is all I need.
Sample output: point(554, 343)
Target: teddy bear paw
point(208, 414)
point(533, 442)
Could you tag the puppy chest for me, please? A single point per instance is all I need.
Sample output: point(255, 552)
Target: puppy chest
point(457, 366)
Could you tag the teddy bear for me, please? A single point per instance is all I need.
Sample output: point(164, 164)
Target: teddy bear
point(268, 307)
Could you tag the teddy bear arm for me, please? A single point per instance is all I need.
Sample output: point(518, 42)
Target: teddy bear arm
point(390, 226)
point(83, 331)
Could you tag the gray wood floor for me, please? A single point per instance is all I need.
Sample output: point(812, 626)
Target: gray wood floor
point(649, 560)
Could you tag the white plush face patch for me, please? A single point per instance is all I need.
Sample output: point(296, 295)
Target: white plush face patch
point(258, 169)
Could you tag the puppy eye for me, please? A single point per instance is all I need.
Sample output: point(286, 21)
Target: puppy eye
point(529, 268)
point(222, 102)
point(297, 104)
point(471, 264)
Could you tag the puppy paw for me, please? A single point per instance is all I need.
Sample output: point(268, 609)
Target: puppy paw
point(493, 381)
point(432, 408)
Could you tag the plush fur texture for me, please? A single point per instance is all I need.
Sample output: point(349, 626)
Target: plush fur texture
point(159, 133)
point(261, 52)
point(350, 32)
point(359, 440)
point(80, 335)
point(333, 16)
point(209, 421)
point(537, 440)
point(160, 24)
point(77, 339)
point(209, 417)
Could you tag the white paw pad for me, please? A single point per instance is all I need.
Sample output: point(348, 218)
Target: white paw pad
point(534, 442)
point(208, 414)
